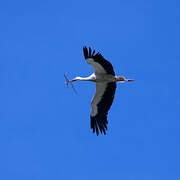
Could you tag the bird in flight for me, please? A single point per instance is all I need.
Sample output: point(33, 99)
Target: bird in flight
point(105, 80)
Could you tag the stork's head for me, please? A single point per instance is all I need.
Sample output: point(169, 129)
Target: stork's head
point(122, 79)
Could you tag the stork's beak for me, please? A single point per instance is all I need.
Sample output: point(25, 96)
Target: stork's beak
point(69, 81)
point(72, 80)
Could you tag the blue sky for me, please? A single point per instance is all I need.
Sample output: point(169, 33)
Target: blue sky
point(45, 128)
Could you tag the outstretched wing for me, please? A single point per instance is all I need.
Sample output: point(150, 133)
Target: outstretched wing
point(100, 106)
point(100, 64)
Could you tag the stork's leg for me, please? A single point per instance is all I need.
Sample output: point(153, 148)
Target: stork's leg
point(129, 80)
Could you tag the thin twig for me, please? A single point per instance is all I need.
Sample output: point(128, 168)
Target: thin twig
point(67, 82)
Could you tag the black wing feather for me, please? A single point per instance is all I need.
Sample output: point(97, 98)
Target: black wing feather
point(100, 120)
point(99, 59)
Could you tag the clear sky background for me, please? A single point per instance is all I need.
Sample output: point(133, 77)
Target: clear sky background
point(45, 127)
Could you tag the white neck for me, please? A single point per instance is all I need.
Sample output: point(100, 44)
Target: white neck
point(82, 78)
point(89, 78)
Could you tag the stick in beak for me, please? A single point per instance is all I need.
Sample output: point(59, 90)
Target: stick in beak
point(69, 81)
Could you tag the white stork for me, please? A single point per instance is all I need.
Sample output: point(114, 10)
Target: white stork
point(105, 80)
